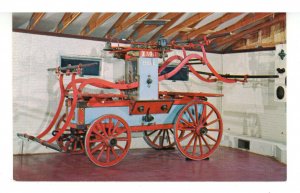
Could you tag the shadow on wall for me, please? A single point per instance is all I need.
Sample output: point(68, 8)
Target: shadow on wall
point(251, 125)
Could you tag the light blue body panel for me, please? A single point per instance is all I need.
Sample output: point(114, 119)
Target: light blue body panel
point(91, 114)
point(148, 68)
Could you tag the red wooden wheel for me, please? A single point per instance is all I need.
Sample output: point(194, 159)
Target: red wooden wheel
point(71, 141)
point(160, 139)
point(198, 130)
point(107, 140)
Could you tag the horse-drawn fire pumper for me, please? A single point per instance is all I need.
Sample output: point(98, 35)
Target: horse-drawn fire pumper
point(101, 124)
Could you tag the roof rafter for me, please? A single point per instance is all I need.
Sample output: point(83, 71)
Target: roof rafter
point(165, 27)
point(140, 33)
point(236, 37)
point(66, 20)
point(212, 25)
point(128, 23)
point(95, 21)
point(193, 19)
point(142, 25)
point(183, 33)
point(120, 20)
point(34, 20)
point(249, 19)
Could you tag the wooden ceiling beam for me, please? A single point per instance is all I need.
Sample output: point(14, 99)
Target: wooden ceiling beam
point(141, 25)
point(128, 23)
point(142, 32)
point(66, 20)
point(247, 20)
point(254, 29)
point(34, 20)
point(95, 21)
point(182, 33)
point(190, 21)
point(212, 25)
point(165, 27)
point(120, 20)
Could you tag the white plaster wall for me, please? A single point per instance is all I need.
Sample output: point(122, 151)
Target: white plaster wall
point(249, 109)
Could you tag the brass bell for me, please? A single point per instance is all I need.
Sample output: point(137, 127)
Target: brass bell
point(108, 47)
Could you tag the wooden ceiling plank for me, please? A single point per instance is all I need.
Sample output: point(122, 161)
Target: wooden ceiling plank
point(165, 27)
point(34, 20)
point(95, 22)
point(181, 34)
point(128, 23)
point(253, 29)
point(149, 28)
point(212, 25)
point(120, 20)
point(141, 25)
point(191, 20)
point(66, 20)
point(247, 20)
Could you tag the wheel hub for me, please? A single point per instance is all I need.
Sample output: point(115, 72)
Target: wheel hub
point(113, 142)
point(203, 130)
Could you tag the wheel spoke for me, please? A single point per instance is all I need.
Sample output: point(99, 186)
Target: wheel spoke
point(156, 137)
point(195, 145)
point(172, 131)
point(104, 131)
point(82, 145)
point(107, 154)
point(212, 122)
point(96, 132)
point(189, 144)
point(203, 114)
point(67, 145)
point(122, 138)
point(183, 138)
point(115, 127)
point(110, 125)
point(186, 128)
point(209, 114)
point(163, 138)
point(168, 136)
point(186, 122)
point(196, 113)
point(114, 152)
point(191, 116)
point(100, 145)
point(119, 132)
point(217, 130)
point(210, 137)
point(205, 142)
point(100, 154)
point(121, 148)
point(200, 145)
point(96, 140)
point(75, 145)
point(148, 134)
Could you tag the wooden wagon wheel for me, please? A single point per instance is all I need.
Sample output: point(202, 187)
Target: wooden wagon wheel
point(107, 140)
point(71, 141)
point(198, 130)
point(160, 139)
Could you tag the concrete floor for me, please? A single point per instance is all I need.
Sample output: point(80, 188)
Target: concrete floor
point(226, 164)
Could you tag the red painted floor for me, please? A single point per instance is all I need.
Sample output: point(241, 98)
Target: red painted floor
point(226, 164)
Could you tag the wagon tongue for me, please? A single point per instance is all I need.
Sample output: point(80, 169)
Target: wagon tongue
point(42, 142)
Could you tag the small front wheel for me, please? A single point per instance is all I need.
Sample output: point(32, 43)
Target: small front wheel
point(107, 140)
